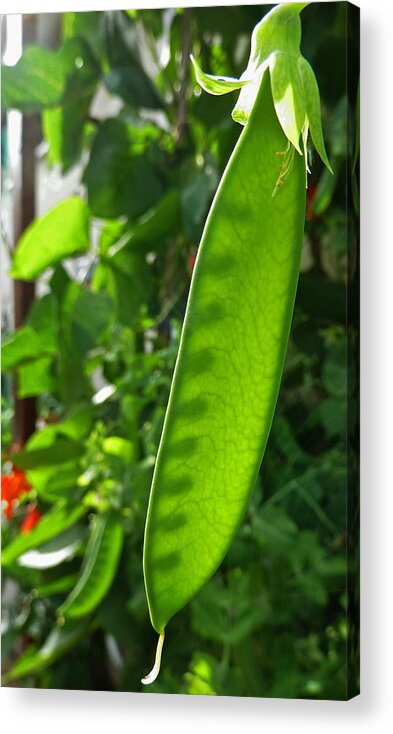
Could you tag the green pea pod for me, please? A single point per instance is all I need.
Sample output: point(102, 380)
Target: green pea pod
point(98, 570)
point(234, 338)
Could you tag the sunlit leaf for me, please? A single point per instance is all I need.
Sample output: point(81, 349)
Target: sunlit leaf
point(43, 78)
point(61, 232)
point(35, 378)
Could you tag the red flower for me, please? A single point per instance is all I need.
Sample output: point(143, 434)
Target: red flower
point(12, 486)
point(33, 516)
point(310, 214)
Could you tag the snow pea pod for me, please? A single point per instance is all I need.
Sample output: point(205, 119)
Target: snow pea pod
point(232, 349)
point(98, 569)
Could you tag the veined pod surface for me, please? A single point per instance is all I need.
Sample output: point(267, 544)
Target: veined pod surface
point(229, 365)
point(232, 351)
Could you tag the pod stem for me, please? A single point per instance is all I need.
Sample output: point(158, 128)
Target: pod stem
point(157, 663)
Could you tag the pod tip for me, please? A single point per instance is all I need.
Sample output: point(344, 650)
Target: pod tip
point(151, 677)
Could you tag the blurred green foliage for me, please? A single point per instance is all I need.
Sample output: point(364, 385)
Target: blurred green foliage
point(98, 353)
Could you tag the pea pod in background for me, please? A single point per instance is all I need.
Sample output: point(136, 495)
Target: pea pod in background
point(237, 323)
point(98, 569)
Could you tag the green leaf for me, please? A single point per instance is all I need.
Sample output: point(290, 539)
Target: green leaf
point(194, 199)
point(200, 677)
point(63, 129)
point(59, 641)
point(86, 25)
point(127, 77)
point(22, 346)
point(119, 447)
point(118, 179)
point(325, 190)
point(54, 522)
point(55, 482)
point(36, 378)
point(84, 318)
point(134, 87)
point(228, 614)
point(43, 78)
point(42, 317)
point(332, 414)
point(274, 531)
point(98, 569)
point(161, 220)
point(75, 426)
point(62, 232)
point(113, 232)
point(59, 452)
point(335, 373)
point(59, 282)
point(150, 230)
point(35, 340)
point(127, 278)
point(50, 455)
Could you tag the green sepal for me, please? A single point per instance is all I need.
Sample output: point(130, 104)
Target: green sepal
point(275, 46)
point(310, 87)
point(216, 84)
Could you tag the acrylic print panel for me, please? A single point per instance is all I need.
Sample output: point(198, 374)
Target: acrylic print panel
point(180, 353)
